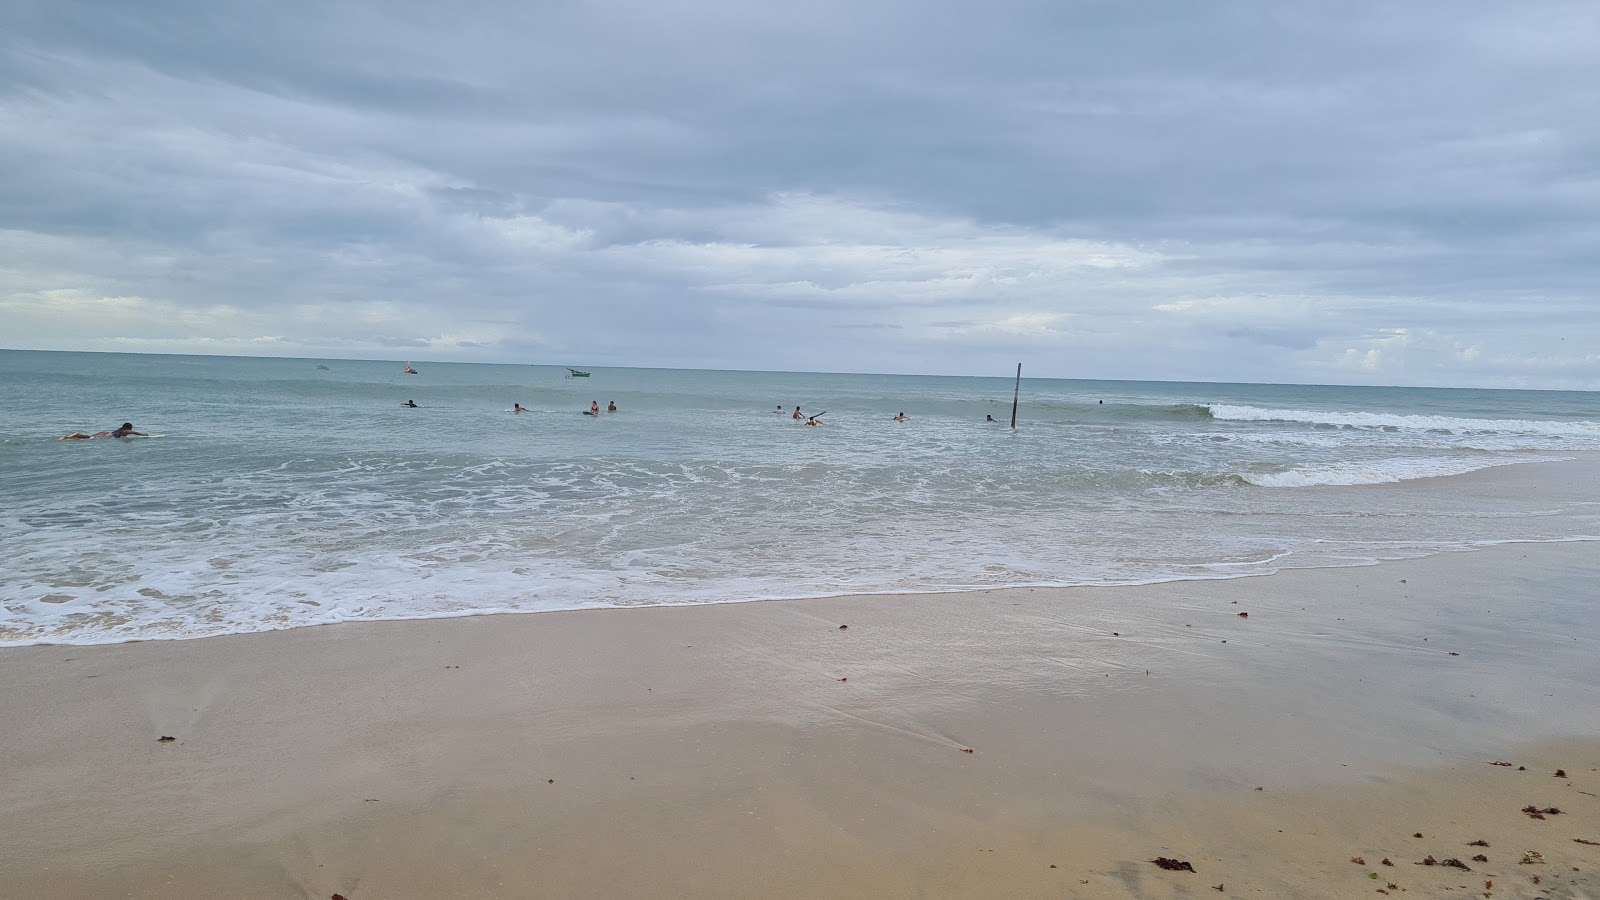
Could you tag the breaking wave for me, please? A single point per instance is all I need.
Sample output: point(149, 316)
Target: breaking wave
point(1393, 421)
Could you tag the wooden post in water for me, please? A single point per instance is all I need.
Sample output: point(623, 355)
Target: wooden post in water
point(1014, 395)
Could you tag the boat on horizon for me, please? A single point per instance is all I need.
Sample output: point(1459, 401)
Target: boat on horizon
point(409, 370)
point(576, 373)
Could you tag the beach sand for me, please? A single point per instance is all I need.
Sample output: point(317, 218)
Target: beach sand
point(820, 748)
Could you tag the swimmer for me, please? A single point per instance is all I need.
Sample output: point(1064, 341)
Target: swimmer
point(902, 418)
point(779, 410)
point(594, 407)
point(410, 404)
point(518, 408)
point(125, 431)
point(813, 421)
point(990, 419)
point(611, 406)
point(797, 414)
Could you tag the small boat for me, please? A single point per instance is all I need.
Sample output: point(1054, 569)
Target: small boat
point(409, 370)
point(577, 373)
point(322, 368)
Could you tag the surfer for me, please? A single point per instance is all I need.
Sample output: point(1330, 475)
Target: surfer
point(813, 421)
point(797, 414)
point(125, 431)
point(902, 418)
point(611, 406)
point(594, 407)
point(990, 419)
point(410, 404)
point(518, 408)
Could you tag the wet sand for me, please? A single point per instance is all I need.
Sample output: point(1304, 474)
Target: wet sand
point(764, 750)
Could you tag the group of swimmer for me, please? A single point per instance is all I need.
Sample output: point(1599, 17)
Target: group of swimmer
point(798, 415)
point(594, 410)
point(817, 419)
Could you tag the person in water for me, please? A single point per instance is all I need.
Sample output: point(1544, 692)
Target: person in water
point(611, 406)
point(902, 418)
point(797, 414)
point(990, 419)
point(412, 404)
point(125, 431)
point(518, 408)
point(779, 410)
point(813, 421)
point(594, 407)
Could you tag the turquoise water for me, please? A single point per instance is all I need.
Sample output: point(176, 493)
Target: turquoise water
point(283, 493)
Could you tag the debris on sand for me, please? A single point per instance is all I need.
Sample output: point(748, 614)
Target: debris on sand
point(165, 739)
point(1244, 615)
point(1358, 860)
point(1173, 865)
point(844, 627)
point(1534, 812)
point(1478, 844)
point(1499, 763)
point(1386, 861)
point(1480, 858)
point(1455, 864)
point(1590, 843)
point(1530, 858)
point(1427, 861)
point(1561, 773)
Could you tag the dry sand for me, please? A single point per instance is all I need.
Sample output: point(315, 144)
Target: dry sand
point(762, 750)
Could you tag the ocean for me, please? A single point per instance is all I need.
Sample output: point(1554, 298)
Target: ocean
point(293, 492)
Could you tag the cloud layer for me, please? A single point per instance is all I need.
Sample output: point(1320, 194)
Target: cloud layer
point(1383, 193)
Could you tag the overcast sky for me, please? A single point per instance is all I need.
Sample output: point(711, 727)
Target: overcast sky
point(1352, 192)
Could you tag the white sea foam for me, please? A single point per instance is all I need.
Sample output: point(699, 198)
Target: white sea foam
point(1585, 431)
point(1386, 471)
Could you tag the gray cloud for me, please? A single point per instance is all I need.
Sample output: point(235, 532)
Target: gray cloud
point(1393, 193)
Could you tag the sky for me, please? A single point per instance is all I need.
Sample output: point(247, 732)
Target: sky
point(1355, 192)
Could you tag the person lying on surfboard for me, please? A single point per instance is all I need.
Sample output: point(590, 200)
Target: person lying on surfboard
point(125, 431)
point(518, 408)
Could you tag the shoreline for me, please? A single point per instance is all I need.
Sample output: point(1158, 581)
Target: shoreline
point(730, 749)
point(1578, 467)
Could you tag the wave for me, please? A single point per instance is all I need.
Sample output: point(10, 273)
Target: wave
point(1394, 421)
point(1387, 471)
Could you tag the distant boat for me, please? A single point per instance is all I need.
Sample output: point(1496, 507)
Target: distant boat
point(409, 370)
point(577, 373)
point(323, 368)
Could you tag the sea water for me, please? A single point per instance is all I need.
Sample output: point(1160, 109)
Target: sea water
point(290, 492)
